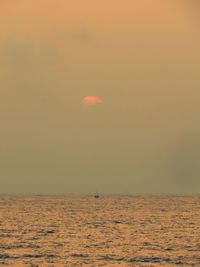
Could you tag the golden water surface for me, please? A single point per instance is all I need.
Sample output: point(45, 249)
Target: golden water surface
point(109, 231)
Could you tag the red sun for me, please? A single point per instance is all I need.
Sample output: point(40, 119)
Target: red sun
point(92, 100)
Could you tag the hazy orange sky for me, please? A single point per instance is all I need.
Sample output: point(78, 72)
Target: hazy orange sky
point(141, 57)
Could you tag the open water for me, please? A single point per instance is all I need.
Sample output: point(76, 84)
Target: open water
point(110, 231)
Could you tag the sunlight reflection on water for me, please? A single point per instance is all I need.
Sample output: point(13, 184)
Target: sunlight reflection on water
point(110, 231)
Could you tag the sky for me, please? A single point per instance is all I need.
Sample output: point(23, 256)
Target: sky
point(142, 58)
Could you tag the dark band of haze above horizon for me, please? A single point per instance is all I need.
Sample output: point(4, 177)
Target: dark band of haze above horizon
point(141, 57)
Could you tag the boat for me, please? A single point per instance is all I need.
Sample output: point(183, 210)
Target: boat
point(96, 195)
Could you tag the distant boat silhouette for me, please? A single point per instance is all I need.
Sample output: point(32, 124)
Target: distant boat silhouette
point(96, 195)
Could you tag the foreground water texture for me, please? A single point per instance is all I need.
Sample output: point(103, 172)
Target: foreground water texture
point(110, 231)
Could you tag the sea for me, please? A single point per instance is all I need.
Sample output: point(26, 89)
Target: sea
point(113, 230)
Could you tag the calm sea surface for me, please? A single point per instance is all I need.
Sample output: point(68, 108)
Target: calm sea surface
point(110, 231)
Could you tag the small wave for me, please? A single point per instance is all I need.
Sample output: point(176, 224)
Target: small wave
point(80, 255)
